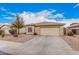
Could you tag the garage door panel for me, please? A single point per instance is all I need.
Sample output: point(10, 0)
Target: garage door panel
point(49, 31)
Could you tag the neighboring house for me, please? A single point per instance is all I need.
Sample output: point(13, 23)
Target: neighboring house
point(45, 28)
point(74, 27)
point(6, 28)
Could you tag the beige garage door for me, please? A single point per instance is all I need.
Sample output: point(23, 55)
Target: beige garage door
point(49, 31)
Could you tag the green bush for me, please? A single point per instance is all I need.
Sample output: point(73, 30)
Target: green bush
point(70, 33)
point(2, 33)
point(13, 32)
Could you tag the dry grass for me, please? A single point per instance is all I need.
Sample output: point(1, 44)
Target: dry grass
point(21, 38)
point(72, 41)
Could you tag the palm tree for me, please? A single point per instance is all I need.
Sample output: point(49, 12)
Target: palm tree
point(18, 24)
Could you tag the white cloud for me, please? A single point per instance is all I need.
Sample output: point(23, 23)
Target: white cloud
point(10, 13)
point(46, 13)
point(9, 17)
point(53, 10)
point(58, 16)
point(77, 5)
point(4, 24)
point(14, 14)
point(24, 12)
point(30, 17)
point(3, 9)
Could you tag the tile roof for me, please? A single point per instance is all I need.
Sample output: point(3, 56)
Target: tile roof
point(74, 26)
point(48, 23)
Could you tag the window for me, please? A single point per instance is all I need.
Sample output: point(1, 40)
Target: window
point(29, 29)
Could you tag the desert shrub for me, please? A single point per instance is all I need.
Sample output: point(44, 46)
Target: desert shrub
point(70, 33)
point(35, 33)
point(2, 33)
point(13, 32)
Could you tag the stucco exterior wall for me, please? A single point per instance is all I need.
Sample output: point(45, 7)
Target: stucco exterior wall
point(45, 30)
point(37, 30)
point(77, 31)
point(61, 30)
point(33, 29)
point(22, 30)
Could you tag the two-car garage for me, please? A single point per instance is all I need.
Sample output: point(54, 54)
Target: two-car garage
point(50, 31)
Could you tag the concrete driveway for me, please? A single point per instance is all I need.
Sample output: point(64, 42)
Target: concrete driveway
point(40, 45)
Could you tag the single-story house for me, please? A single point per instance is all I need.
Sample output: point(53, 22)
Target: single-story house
point(74, 27)
point(45, 28)
point(6, 28)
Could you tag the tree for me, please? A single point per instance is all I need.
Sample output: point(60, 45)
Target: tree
point(18, 24)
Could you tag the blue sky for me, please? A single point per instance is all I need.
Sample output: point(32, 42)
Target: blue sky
point(8, 11)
